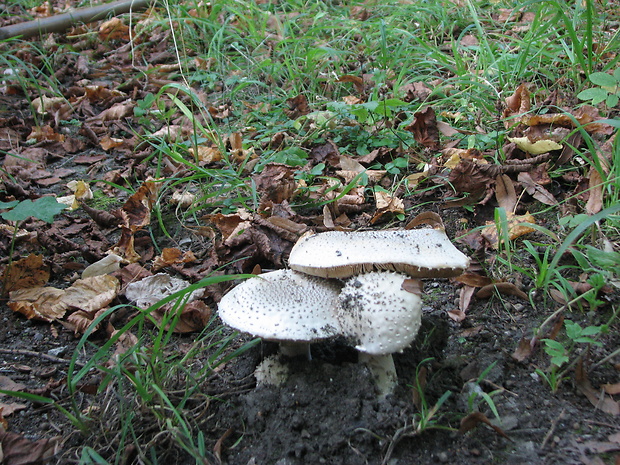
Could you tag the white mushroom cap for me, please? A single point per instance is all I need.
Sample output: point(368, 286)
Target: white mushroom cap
point(283, 305)
point(381, 311)
point(420, 253)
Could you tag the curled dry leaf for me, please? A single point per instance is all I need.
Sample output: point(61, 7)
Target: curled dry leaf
point(536, 190)
point(517, 227)
point(91, 294)
point(194, 316)
point(600, 400)
point(18, 450)
point(152, 289)
point(39, 303)
point(172, 256)
point(503, 288)
point(108, 264)
point(386, 204)
point(424, 128)
point(25, 273)
point(474, 419)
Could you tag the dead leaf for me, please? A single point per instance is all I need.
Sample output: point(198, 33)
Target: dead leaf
point(472, 420)
point(612, 389)
point(91, 294)
point(195, 316)
point(172, 256)
point(152, 289)
point(25, 273)
point(17, 450)
point(595, 192)
point(386, 204)
point(536, 190)
point(465, 295)
point(523, 350)
point(81, 320)
point(39, 303)
point(297, 106)
point(535, 148)
point(424, 128)
point(598, 398)
point(517, 104)
point(108, 264)
point(517, 227)
point(505, 193)
point(503, 288)
point(113, 29)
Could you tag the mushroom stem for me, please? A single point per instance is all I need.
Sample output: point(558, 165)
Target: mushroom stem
point(383, 371)
point(295, 349)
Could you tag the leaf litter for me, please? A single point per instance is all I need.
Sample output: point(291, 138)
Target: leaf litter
point(289, 201)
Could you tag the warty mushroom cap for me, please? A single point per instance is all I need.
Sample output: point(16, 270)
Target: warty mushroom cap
point(419, 253)
point(381, 311)
point(283, 305)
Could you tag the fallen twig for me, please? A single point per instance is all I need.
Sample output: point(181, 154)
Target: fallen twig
point(32, 353)
point(64, 21)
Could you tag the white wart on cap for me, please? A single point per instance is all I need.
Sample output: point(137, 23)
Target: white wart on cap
point(419, 253)
point(284, 306)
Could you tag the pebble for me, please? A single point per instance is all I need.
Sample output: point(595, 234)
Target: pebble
point(58, 351)
point(442, 457)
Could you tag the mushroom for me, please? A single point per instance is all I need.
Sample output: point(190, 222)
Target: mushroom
point(284, 306)
point(419, 253)
point(381, 313)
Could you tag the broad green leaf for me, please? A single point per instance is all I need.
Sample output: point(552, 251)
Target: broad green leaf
point(596, 93)
point(43, 209)
point(606, 260)
point(4, 205)
point(617, 74)
point(603, 79)
point(612, 100)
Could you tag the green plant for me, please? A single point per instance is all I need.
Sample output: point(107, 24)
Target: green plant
point(478, 394)
point(607, 89)
point(560, 353)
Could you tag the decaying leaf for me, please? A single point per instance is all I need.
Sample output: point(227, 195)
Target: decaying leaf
point(194, 316)
point(136, 212)
point(424, 128)
point(517, 227)
point(535, 148)
point(25, 273)
point(536, 190)
point(108, 264)
point(524, 350)
point(39, 303)
point(172, 256)
point(517, 104)
point(386, 204)
point(503, 288)
point(18, 450)
point(91, 294)
point(152, 289)
point(472, 420)
point(598, 398)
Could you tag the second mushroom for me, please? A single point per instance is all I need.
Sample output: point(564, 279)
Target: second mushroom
point(378, 308)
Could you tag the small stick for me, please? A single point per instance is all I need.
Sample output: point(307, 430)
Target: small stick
point(554, 424)
point(32, 353)
point(62, 22)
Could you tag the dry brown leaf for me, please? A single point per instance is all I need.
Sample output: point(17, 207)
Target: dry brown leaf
point(194, 316)
point(505, 193)
point(113, 29)
point(297, 106)
point(91, 294)
point(6, 410)
point(517, 227)
point(612, 389)
point(474, 419)
point(595, 193)
point(503, 288)
point(465, 295)
point(152, 289)
point(536, 190)
point(108, 264)
point(523, 350)
point(206, 155)
point(457, 315)
point(473, 280)
point(424, 128)
point(39, 303)
point(598, 398)
point(172, 256)
point(136, 212)
point(517, 104)
point(25, 273)
point(386, 204)
point(17, 450)
point(415, 91)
